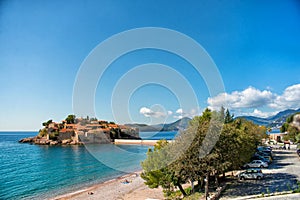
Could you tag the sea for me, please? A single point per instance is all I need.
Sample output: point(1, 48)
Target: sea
point(41, 172)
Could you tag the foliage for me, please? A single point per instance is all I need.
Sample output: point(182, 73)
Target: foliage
point(53, 135)
point(71, 119)
point(284, 127)
point(207, 148)
point(93, 119)
point(228, 118)
point(158, 176)
point(194, 196)
point(46, 124)
point(293, 133)
point(297, 190)
point(43, 132)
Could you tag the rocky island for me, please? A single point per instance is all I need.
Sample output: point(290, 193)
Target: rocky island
point(76, 131)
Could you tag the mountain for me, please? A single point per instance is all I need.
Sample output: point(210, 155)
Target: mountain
point(177, 125)
point(275, 121)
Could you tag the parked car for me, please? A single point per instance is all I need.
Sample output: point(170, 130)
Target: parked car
point(298, 152)
point(256, 164)
point(262, 158)
point(264, 155)
point(263, 148)
point(251, 174)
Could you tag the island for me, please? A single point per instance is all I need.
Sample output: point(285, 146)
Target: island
point(77, 131)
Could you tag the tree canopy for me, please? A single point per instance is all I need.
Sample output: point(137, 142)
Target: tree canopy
point(208, 147)
point(293, 131)
point(46, 124)
point(71, 119)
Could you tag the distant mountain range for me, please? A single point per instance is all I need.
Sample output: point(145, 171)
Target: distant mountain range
point(275, 121)
point(175, 126)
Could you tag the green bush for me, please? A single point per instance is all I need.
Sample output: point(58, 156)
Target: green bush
point(43, 132)
point(53, 136)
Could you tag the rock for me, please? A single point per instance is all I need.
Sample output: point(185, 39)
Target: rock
point(53, 142)
point(42, 141)
point(67, 141)
point(27, 140)
point(73, 143)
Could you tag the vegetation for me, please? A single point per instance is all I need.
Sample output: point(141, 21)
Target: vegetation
point(46, 124)
point(54, 135)
point(293, 132)
point(71, 119)
point(43, 132)
point(207, 149)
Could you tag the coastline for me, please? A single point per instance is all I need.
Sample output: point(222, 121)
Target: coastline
point(116, 189)
point(135, 142)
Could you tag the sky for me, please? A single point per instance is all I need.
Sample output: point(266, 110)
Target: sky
point(254, 44)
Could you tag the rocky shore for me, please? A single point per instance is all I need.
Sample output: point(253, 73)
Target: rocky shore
point(42, 141)
point(77, 131)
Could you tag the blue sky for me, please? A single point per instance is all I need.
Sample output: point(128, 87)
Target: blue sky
point(254, 44)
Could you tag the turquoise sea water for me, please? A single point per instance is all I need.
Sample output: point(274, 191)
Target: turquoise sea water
point(39, 172)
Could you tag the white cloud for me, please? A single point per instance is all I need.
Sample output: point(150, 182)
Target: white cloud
point(259, 113)
point(170, 112)
point(248, 98)
point(289, 99)
point(147, 112)
point(179, 111)
point(252, 98)
point(178, 116)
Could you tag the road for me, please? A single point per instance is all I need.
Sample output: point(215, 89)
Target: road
point(281, 176)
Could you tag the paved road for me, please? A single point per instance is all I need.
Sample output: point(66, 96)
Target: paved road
point(281, 176)
point(283, 197)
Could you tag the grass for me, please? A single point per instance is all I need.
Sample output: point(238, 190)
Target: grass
point(177, 195)
point(297, 190)
point(195, 196)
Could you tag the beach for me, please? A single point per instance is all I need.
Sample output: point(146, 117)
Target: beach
point(130, 186)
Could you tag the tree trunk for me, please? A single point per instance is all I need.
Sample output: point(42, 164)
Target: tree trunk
point(192, 186)
point(217, 179)
point(223, 175)
point(201, 183)
point(181, 189)
point(206, 185)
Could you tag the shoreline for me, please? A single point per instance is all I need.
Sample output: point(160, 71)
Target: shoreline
point(115, 188)
point(89, 188)
point(135, 142)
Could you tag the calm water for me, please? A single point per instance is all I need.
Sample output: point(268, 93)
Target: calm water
point(39, 172)
point(158, 135)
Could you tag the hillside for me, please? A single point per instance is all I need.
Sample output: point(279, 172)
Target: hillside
point(177, 125)
point(274, 121)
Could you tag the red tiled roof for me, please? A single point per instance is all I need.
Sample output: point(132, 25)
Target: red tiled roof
point(123, 126)
point(65, 130)
point(113, 125)
point(72, 125)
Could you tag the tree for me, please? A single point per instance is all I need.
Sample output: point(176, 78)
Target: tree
point(293, 132)
point(156, 173)
point(46, 124)
point(71, 119)
point(206, 148)
point(228, 117)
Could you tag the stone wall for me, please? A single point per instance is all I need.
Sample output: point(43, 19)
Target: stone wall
point(66, 135)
